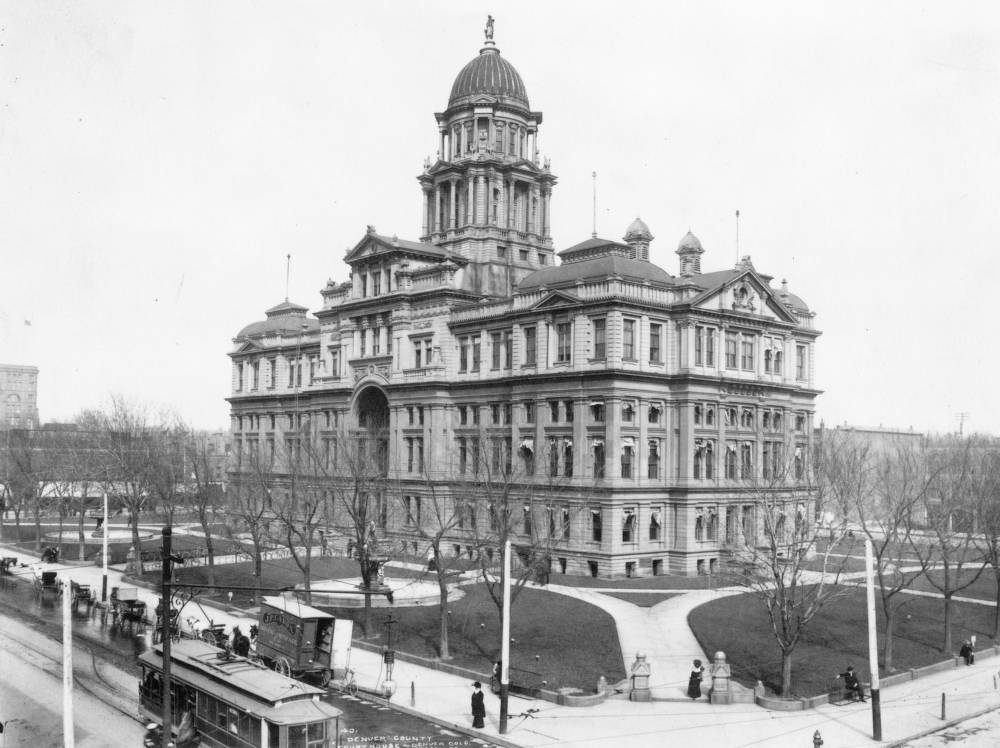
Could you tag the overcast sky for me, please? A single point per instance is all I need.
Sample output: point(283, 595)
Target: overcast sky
point(159, 160)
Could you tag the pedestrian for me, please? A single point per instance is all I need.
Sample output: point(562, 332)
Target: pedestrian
point(851, 683)
point(967, 652)
point(478, 707)
point(694, 682)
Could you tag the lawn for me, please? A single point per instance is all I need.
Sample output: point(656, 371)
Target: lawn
point(739, 626)
point(568, 655)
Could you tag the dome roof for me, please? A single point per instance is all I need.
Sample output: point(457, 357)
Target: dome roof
point(489, 74)
point(690, 242)
point(638, 230)
point(286, 318)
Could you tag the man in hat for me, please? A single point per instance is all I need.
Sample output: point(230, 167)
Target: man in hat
point(851, 683)
point(478, 707)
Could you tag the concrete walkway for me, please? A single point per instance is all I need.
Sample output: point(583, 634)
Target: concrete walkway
point(909, 710)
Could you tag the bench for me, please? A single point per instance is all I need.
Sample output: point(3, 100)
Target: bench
point(838, 693)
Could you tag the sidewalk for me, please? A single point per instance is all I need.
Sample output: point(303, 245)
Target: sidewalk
point(908, 710)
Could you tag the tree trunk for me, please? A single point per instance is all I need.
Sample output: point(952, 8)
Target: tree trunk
point(210, 550)
point(38, 530)
point(947, 623)
point(136, 544)
point(996, 605)
point(82, 534)
point(443, 603)
point(890, 622)
point(786, 674)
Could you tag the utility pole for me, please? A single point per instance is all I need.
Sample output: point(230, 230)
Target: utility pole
point(67, 602)
point(104, 552)
point(873, 643)
point(165, 639)
point(505, 640)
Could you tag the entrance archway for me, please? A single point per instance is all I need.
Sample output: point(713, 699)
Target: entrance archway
point(371, 412)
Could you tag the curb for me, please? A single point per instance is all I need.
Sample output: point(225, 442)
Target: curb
point(943, 726)
point(464, 729)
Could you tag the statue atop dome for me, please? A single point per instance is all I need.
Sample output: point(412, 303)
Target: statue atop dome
point(488, 31)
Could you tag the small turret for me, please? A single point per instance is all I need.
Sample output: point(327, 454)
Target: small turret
point(690, 252)
point(638, 238)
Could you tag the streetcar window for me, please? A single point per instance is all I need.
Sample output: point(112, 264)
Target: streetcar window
point(273, 736)
point(312, 735)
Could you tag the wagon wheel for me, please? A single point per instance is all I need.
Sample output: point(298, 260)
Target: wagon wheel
point(324, 678)
point(283, 666)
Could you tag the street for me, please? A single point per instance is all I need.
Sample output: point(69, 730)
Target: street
point(31, 688)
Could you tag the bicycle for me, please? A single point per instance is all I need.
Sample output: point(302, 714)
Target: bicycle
point(347, 684)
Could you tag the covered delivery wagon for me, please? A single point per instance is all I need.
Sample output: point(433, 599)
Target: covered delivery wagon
point(298, 640)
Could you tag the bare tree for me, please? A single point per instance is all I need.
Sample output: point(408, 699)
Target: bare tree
point(249, 504)
point(948, 549)
point(205, 496)
point(986, 495)
point(792, 561)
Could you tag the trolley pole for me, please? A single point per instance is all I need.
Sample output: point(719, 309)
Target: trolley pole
point(165, 636)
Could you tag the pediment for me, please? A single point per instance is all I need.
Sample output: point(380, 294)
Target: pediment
point(745, 294)
point(246, 347)
point(555, 300)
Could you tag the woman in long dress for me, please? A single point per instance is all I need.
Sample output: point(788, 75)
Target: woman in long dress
point(694, 682)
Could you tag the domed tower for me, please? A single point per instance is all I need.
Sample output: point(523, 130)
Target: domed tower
point(487, 195)
point(638, 238)
point(690, 252)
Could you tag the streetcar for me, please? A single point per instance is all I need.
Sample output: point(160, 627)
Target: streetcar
point(233, 702)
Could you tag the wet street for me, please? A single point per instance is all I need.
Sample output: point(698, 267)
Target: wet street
point(364, 723)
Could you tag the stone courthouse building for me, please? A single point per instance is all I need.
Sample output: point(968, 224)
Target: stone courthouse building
point(636, 412)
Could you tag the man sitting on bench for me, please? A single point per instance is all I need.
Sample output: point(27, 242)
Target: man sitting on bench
point(852, 685)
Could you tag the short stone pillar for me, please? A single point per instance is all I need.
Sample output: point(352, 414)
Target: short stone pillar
point(640, 679)
point(721, 692)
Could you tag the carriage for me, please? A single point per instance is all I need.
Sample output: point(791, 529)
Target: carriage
point(300, 641)
point(82, 594)
point(126, 606)
point(47, 581)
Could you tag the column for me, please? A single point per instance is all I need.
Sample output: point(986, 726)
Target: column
point(441, 150)
point(580, 445)
point(480, 200)
point(546, 225)
point(437, 208)
point(613, 438)
point(427, 211)
point(685, 440)
point(470, 202)
point(453, 215)
point(531, 145)
point(642, 448)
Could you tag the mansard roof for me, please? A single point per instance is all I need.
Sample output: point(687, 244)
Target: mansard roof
point(596, 268)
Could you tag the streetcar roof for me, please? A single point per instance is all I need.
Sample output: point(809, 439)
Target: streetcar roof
point(241, 683)
point(294, 607)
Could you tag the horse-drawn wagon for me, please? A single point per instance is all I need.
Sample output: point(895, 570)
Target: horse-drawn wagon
point(302, 641)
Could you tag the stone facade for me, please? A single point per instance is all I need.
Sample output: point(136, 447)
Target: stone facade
point(18, 396)
point(640, 411)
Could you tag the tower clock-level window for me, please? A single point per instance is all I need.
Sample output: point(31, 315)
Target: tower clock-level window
point(563, 341)
point(530, 346)
point(800, 362)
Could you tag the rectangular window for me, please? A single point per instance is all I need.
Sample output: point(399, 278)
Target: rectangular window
point(800, 362)
point(563, 338)
point(508, 350)
point(530, 346)
point(376, 283)
point(699, 345)
point(654, 524)
point(597, 411)
point(568, 408)
point(731, 341)
point(553, 411)
point(731, 461)
point(628, 340)
point(507, 413)
point(463, 354)
point(655, 412)
point(655, 333)
point(501, 251)
point(334, 362)
point(495, 349)
point(567, 449)
point(476, 352)
point(627, 457)
point(565, 523)
point(364, 284)
point(523, 255)
point(364, 343)
point(418, 351)
point(596, 526)
point(653, 464)
point(553, 457)
point(600, 341)
point(746, 358)
point(709, 346)
point(463, 415)
point(628, 525)
point(746, 460)
point(597, 449)
point(526, 519)
point(420, 415)
point(495, 414)
point(529, 412)
point(409, 415)
point(463, 456)
point(628, 411)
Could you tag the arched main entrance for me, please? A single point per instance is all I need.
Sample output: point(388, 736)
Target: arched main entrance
point(371, 412)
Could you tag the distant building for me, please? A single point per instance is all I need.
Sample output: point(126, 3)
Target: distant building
point(18, 396)
point(641, 410)
point(879, 439)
